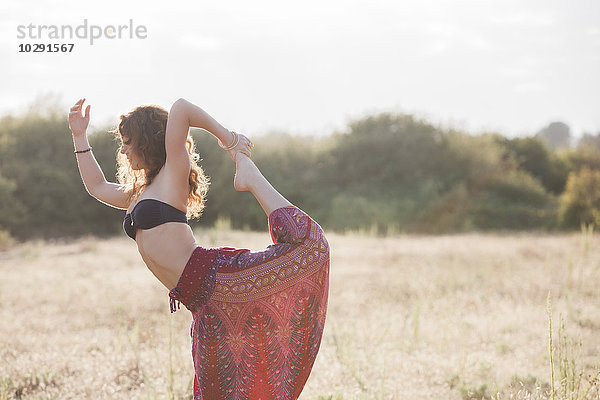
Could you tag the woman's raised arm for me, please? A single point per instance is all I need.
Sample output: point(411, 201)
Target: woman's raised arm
point(93, 178)
point(184, 115)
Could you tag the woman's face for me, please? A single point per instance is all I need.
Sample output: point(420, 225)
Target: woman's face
point(128, 150)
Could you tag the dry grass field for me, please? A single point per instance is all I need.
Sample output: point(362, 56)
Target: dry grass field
point(410, 317)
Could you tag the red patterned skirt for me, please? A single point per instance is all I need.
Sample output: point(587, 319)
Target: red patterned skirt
point(258, 316)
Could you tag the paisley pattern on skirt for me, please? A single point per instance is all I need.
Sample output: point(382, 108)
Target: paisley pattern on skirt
point(258, 316)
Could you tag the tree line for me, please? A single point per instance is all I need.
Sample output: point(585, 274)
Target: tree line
point(385, 173)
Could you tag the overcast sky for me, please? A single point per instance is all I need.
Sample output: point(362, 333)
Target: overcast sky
point(511, 66)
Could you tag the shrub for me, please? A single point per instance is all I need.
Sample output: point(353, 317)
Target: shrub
point(580, 203)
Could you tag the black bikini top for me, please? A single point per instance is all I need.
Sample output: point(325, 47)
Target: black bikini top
point(149, 213)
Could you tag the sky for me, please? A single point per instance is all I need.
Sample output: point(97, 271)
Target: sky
point(310, 67)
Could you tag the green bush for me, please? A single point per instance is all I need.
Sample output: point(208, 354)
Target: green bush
point(46, 195)
point(513, 200)
point(580, 203)
point(533, 156)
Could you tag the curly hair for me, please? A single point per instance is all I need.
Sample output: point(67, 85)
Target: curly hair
point(144, 128)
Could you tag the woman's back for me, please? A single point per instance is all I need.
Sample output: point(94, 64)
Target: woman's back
point(167, 247)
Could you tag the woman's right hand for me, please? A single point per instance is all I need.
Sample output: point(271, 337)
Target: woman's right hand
point(244, 146)
point(77, 121)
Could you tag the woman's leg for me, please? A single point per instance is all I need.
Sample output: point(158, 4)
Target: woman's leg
point(249, 178)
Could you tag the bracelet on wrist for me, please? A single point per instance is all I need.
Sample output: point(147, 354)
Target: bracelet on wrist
point(83, 151)
point(236, 141)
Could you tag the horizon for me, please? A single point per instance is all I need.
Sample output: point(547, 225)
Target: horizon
point(54, 106)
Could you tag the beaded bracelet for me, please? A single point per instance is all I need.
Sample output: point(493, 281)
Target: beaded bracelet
point(236, 140)
point(83, 151)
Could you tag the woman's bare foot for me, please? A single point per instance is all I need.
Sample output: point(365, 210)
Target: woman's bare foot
point(246, 172)
point(248, 177)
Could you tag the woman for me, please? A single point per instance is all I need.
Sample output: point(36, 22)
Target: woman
point(258, 317)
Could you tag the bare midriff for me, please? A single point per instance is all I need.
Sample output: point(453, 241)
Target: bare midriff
point(166, 249)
